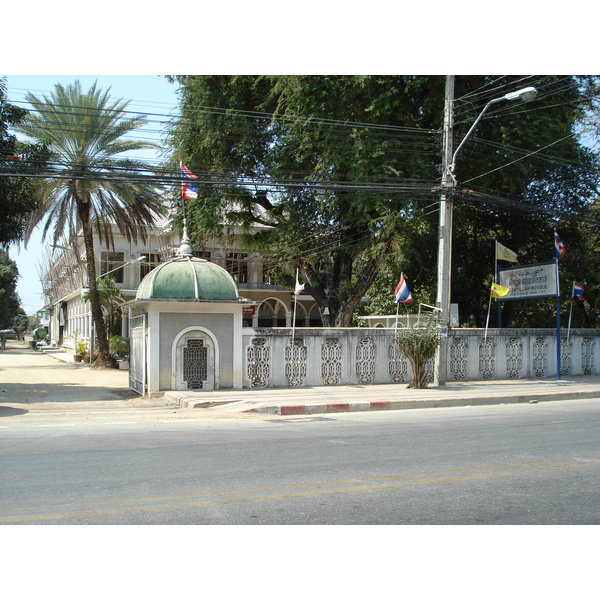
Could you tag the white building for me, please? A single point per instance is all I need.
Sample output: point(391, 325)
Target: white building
point(63, 274)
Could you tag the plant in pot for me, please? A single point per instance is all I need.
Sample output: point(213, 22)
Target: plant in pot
point(119, 348)
point(80, 352)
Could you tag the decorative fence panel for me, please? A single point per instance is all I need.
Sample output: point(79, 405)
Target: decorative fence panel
point(364, 356)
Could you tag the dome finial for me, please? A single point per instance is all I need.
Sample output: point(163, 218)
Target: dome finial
point(186, 248)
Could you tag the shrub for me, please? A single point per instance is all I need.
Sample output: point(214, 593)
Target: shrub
point(419, 344)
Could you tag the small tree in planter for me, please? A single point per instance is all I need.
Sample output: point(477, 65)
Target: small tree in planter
point(419, 344)
point(118, 346)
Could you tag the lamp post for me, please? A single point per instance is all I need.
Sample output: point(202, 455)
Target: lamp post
point(445, 220)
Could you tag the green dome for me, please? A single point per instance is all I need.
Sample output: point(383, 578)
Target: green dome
point(187, 278)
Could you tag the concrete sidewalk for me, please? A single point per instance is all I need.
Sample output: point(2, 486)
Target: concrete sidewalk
point(332, 399)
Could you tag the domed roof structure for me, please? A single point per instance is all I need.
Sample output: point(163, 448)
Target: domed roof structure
point(187, 278)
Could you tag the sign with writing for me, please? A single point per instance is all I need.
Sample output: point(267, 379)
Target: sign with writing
point(532, 281)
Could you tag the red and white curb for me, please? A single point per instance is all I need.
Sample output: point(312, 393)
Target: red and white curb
point(332, 407)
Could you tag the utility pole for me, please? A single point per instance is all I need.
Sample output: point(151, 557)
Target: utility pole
point(445, 235)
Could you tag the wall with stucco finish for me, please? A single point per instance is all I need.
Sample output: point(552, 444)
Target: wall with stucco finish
point(220, 325)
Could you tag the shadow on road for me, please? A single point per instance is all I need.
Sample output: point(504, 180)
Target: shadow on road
point(10, 411)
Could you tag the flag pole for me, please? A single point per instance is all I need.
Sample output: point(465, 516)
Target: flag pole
point(557, 323)
point(570, 312)
point(487, 322)
point(397, 311)
point(294, 316)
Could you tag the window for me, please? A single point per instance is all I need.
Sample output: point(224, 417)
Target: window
point(110, 261)
point(152, 261)
point(204, 254)
point(237, 266)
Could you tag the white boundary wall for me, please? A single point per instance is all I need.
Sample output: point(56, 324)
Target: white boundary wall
point(365, 356)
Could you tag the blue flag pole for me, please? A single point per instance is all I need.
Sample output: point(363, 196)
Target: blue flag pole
point(557, 324)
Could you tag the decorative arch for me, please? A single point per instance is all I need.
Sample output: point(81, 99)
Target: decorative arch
point(191, 341)
point(273, 312)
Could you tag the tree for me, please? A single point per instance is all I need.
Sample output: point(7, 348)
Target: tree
point(108, 292)
point(331, 166)
point(90, 187)
point(16, 193)
point(523, 172)
point(10, 305)
point(342, 168)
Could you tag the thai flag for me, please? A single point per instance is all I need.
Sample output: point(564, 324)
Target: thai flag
point(577, 291)
point(402, 292)
point(559, 247)
point(189, 191)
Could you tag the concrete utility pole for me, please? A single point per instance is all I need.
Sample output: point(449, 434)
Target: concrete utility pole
point(445, 234)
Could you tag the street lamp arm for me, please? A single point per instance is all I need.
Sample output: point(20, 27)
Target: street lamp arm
point(451, 166)
point(131, 262)
point(526, 94)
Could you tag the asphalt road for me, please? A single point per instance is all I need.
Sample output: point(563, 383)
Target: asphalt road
point(510, 464)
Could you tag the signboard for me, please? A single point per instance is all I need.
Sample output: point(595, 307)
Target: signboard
point(532, 281)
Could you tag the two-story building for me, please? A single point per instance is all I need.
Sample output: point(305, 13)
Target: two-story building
point(64, 281)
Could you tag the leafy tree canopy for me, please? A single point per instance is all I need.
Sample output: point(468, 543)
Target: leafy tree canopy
point(338, 169)
point(10, 305)
point(17, 193)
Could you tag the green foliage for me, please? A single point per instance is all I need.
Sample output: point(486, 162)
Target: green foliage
point(344, 168)
point(20, 322)
point(118, 345)
point(108, 292)
point(10, 305)
point(17, 199)
point(321, 141)
point(419, 345)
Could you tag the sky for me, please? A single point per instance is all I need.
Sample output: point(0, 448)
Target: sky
point(147, 94)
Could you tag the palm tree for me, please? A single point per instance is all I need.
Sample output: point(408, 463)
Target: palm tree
point(90, 186)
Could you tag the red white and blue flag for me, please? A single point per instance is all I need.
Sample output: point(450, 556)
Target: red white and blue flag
point(402, 292)
point(559, 247)
point(577, 291)
point(189, 191)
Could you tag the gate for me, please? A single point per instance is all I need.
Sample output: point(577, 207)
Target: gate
point(137, 354)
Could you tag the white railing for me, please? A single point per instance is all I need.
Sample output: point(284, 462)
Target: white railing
point(364, 356)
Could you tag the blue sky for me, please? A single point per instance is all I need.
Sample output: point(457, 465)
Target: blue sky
point(147, 94)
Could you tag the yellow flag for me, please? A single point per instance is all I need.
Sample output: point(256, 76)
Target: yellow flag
point(503, 253)
point(498, 291)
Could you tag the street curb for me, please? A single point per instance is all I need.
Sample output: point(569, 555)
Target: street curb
point(379, 405)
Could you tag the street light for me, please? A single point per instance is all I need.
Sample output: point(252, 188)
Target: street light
point(445, 223)
point(526, 95)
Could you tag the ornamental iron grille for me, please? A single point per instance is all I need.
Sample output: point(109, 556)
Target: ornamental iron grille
point(540, 357)
point(458, 359)
point(566, 354)
point(429, 370)
point(398, 364)
point(487, 359)
point(258, 356)
point(195, 364)
point(295, 362)
point(514, 358)
point(365, 360)
point(331, 361)
point(588, 355)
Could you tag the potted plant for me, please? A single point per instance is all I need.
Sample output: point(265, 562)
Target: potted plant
point(79, 353)
point(119, 348)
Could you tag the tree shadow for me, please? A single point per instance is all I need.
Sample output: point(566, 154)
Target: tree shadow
point(31, 393)
point(11, 411)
